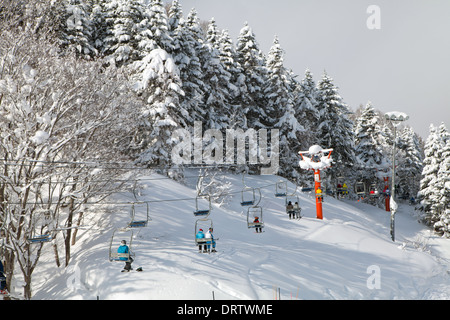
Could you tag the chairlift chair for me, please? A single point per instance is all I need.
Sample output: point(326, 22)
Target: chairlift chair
point(202, 211)
point(113, 254)
point(340, 189)
point(202, 224)
point(40, 238)
point(138, 223)
point(281, 189)
point(248, 196)
point(293, 198)
point(252, 213)
point(360, 188)
point(373, 190)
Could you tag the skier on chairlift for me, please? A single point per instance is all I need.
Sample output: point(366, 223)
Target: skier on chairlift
point(201, 235)
point(257, 226)
point(123, 248)
point(297, 210)
point(210, 240)
point(290, 209)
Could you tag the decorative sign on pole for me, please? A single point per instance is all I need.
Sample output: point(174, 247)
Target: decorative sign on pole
point(317, 162)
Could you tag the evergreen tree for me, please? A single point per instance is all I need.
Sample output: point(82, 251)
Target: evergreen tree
point(174, 17)
point(367, 130)
point(335, 129)
point(440, 203)
point(252, 63)
point(216, 79)
point(191, 75)
point(368, 151)
point(98, 22)
point(428, 191)
point(78, 33)
point(443, 199)
point(198, 48)
point(122, 19)
point(160, 87)
point(280, 110)
point(307, 105)
point(409, 164)
point(236, 86)
point(153, 30)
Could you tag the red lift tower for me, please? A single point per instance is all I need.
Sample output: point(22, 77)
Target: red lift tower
point(318, 161)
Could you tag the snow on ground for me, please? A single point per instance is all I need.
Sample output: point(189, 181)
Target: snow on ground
point(347, 255)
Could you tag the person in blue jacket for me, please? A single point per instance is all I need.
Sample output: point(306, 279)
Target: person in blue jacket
point(201, 235)
point(124, 249)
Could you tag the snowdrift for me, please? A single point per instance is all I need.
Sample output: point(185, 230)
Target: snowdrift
point(347, 255)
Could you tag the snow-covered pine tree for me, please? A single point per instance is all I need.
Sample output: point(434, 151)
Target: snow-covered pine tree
point(280, 109)
point(335, 129)
point(428, 193)
point(410, 166)
point(159, 84)
point(202, 53)
point(443, 185)
point(188, 63)
point(440, 201)
point(307, 105)
point(252, 62)
point(216, 79)
point(236, 86)
point(175, 15)
point(120, 44)
point(153, 30)
point(98, 23)
point(368, 151)
point(366, 138)
point(78, 31)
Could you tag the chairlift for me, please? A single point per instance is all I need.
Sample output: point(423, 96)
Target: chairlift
point(40, 238)
point(373, 190)
point(203, 224)
point(255, 213)
point(360, 188)
point(341, 187)
point(113, 254)
point(138, 223)
point(248, 196)
point(293, 198)
point(202, 211)
point(281, 189)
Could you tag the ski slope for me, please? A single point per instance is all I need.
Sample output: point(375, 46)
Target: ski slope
point(347, 255)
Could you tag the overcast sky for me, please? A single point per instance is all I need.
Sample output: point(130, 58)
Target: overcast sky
point(402, 66)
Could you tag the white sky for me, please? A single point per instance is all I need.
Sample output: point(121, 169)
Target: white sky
point(403, 66)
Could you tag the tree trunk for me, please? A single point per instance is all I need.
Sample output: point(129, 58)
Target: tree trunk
point(74, 236)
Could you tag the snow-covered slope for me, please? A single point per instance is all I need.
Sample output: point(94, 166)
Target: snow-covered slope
point(347, 255)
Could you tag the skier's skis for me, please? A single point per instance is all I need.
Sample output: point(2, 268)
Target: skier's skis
point(137, 270)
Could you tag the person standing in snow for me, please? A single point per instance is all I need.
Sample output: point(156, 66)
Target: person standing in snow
point(123, 248)
point(210, 240)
